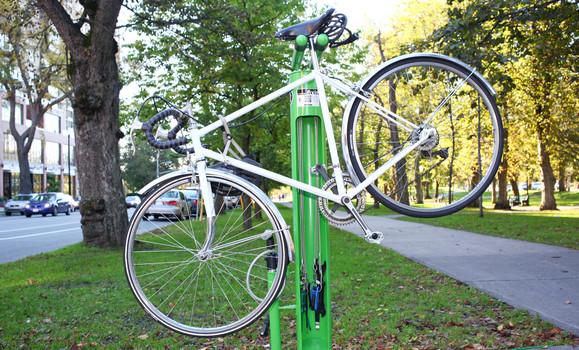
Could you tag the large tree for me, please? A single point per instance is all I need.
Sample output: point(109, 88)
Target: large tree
point(492, 34)
point(95, 78)
point(32, 63)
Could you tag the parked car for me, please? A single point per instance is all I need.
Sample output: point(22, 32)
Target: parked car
point(231, 201)
point(192, 195)
point(171, 203)
point(16, 204)
point(536, 186)
point(48, 203)
point(523, 186)
point(73, 202)
point(133, 201)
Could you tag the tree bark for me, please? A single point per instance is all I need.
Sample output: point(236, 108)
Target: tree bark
point(96, 87)
point(562, 185)
point(548, 191)
point(502, 201)
point(514, 186)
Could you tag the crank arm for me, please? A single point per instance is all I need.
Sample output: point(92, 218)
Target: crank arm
point(369, 235)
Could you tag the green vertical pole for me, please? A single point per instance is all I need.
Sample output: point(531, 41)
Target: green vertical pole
point(309, 226)
point(274, 320)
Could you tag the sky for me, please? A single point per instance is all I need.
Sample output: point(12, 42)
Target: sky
point(359, 11)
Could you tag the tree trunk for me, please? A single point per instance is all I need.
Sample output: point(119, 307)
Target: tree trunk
point(548, 191)
point(427, 190)
point(218, 204)
point(502, 201)
point(23, 144)
point(514, 186)
point(418, 183)
point(26, 185)
point(494, 190)
point(474, 180)
point(562, 186)
point(96, 86)
point(400, 177)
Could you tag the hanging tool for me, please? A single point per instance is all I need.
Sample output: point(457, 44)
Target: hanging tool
point(317, 292)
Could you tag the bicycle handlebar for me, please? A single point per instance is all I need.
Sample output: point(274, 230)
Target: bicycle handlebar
point(173, 143)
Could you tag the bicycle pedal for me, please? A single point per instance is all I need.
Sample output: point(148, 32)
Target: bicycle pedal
point(375, 237)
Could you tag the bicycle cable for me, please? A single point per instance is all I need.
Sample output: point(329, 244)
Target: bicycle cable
point(262, 113)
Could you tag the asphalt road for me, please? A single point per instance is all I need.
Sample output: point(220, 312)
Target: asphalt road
point(21, 236)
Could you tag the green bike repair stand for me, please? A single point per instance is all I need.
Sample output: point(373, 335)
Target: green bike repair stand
point(310, 228)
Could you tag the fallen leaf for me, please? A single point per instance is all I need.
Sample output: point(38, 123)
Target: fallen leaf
point(143, 336)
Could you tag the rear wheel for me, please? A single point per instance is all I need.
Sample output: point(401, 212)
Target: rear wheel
point(203, 285)
point(440, 98)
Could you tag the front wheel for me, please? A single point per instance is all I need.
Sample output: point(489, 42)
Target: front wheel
point(425, 95)
point(202, 285)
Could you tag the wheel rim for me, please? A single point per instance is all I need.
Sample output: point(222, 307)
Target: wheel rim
point(414, 90)
point(196, 291)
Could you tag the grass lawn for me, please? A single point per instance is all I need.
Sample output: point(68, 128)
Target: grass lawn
point(554, 227)
point(77, 297)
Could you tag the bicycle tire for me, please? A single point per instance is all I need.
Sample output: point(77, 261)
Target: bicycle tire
point(206, 292)
point(441, 176)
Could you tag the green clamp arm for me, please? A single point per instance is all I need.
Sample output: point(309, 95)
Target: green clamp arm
point(301, 44)
point(321, 45)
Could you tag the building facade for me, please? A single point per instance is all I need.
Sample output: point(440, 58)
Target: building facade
point(52, 155)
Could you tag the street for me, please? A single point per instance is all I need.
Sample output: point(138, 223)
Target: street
point(21, 236)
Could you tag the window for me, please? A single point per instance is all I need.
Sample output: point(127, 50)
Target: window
point(10, 151)
point(5, 110)
point(65, 149)
point(18, 114)
point(52, 151)
point(35, 154)
point(52, 123)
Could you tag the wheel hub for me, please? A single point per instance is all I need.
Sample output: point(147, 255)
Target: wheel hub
point(431, 135)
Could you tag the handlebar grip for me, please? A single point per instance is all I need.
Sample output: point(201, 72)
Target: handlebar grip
point(172, 143)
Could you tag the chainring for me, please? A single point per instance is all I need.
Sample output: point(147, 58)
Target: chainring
point(337, 214)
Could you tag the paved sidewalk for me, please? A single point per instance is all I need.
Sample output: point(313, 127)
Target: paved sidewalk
point(540, 278)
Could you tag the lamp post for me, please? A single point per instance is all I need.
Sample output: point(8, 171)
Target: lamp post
point(68, 161)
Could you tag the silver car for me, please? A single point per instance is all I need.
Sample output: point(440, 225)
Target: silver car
point(16, 205)
point(171, 203)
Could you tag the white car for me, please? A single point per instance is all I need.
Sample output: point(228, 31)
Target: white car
point(231, 201)
point(171, 203)
point(16, 205)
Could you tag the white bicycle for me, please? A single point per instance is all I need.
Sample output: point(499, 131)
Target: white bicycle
point(421, 133)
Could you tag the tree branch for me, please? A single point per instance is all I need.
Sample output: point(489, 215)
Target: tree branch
point(69, 32)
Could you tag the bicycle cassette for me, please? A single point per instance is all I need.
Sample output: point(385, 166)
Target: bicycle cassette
point(337, 213)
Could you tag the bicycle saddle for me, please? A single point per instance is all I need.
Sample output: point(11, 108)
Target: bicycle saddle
point(306, 28)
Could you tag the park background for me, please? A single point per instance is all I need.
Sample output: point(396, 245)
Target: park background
point(191, 51)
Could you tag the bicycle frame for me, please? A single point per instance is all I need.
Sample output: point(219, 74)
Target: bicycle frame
point(320, 79)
